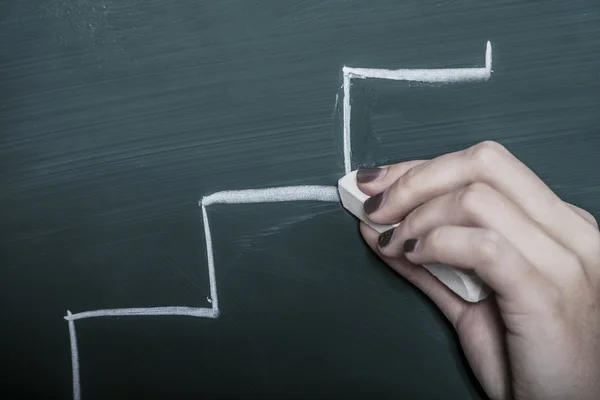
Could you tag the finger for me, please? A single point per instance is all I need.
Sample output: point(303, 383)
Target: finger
point(492, 164)
point(447, 301)
point(375, 180)
point(482, 349)
point(481, 206)
point(482, 337)
point(493, 258)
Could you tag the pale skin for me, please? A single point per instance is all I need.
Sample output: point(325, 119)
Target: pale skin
point(481, 209)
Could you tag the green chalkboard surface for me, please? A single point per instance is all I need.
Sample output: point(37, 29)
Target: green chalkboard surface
point(128, 128)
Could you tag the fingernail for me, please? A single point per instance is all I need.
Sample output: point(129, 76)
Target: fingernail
point(369, 174)
point(410, 245)
point(373, 203)
point(385, 237)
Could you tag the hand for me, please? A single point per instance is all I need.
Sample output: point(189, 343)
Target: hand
point(481, 209)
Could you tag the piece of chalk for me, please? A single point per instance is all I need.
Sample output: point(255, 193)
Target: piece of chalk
point(465, 284)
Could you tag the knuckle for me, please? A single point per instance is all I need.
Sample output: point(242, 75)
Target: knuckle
point(593, 221)
point(585, 215)
point(487, 247)
point(572, 273)
point(487, 152)
point(434, 241)
point(410, 224)
point(408, 180)
point(589, 240)
point(471, 198)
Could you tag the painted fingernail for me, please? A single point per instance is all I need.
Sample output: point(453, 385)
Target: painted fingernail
point(385, 237)
point(373, 203)
point(369, 174)
point(410, 245)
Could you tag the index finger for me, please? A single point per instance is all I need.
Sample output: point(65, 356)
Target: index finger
point(489, 163)
point(372, 181)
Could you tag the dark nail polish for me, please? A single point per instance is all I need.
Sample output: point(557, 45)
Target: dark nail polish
point(410, 245)
point(385, 237)
point(373, 203)
point(368, 174)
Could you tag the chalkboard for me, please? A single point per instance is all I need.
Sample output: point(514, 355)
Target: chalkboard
point(129, 127)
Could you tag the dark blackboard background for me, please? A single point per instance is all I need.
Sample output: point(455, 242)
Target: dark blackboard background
point(116, 117)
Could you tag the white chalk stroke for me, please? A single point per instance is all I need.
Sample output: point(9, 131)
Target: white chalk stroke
point(74, 358)
point(249, 196)
point(449, 75)
point(274, 194)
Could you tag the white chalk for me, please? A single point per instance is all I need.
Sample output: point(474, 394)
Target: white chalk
point(74, 359)
point(444, 75)
point(249, 196)
point(353, 200)
point(273, 195)
point(466, 285)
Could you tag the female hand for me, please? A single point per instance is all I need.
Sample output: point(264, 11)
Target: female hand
point(481, 209)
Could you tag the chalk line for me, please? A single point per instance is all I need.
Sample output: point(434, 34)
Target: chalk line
point(129, 312)
point(74, 359)
point(277, 194)
point(420, 75)
point(446, 75)
point(488, 57)
point(211, 263)
point(269, 195)
point(273, 195)
point(346, 116)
